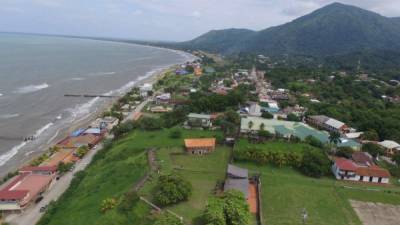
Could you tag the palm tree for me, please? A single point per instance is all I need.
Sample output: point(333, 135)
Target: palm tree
point(262, 126)
point(334, 138)
point(250, 124)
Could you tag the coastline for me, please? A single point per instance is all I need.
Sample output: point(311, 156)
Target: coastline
point(35, 152)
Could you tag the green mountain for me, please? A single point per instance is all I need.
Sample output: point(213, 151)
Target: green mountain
point(332, 30)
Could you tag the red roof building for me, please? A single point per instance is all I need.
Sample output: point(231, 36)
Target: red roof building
point(346, 169)
point(26, 187)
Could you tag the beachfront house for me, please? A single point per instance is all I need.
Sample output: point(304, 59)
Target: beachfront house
point(391, 147)
point(200, 146)
point(145, 89)
point(25, 188)
point(347, 169)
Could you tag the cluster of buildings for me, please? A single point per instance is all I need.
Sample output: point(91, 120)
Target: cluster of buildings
point(26, 187)
point(183, 69)
point(33, 181)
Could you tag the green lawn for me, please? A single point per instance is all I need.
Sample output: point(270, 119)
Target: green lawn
point(285, 193)
point(202, 172)
point(112, 174)
point(273, 146)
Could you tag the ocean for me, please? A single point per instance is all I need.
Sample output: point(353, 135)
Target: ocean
point(37, 71)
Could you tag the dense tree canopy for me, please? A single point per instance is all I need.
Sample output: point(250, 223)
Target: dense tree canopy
point(172, 189)
point(231, 209)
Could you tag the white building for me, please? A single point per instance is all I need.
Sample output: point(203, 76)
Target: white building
point(145, 88)
point(391, 147)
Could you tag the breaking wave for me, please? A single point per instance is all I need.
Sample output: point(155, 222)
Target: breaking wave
point(31, 88)
point(8, 155)
point(8, 116)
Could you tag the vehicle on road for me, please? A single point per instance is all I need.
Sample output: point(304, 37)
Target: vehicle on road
point(43, 209)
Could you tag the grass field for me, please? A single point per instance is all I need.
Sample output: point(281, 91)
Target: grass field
point(285, 193)
point(110, 175)
point(202, 172)
point(273, 146)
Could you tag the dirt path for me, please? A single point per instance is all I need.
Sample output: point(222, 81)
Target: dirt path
point(151, 158)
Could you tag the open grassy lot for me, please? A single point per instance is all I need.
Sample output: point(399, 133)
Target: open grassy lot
point(273, 146)
point(113, 172)
point(285, 193)
point(203, 172)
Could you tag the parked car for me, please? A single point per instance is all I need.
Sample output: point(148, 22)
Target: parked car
point(38, 199)
point(43, 209)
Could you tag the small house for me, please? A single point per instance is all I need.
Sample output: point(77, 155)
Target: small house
point(199, 120)
point(200, 146)
point(391, 147)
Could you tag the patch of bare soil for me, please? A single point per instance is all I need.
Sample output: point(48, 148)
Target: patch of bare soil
point(376, 213)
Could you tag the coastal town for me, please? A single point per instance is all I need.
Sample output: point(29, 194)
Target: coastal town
point(218, 134)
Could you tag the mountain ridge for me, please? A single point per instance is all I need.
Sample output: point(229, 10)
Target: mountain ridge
point(331, 30)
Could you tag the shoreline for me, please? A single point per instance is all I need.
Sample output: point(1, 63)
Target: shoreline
point(152, 77)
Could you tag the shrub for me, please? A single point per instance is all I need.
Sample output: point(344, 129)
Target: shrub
point(82, 151)
point(167, 219)
point(345, 152)
point(108, 204)
point(293, 117)
point(128, 201)
point(172, 189)
point(267, 115)
point(311, 140)
point(315, 163)
point(231, 208)
point(175, 134)
point(373, 149)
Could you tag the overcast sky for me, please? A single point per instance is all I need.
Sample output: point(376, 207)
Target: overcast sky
point(161, 19)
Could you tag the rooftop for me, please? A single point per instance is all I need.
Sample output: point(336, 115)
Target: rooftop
point(237, 171)
point(199, 116)
point(201, 142)
point(389, 144)
point(345, 164)
point(241, 185)
point(334, 123)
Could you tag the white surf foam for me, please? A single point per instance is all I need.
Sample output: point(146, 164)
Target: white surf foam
point(102, 74)
point(43, 129)
point(1, 95)
point(77, 78)
point(31, 88)
point(8, 155)
point(8, 116)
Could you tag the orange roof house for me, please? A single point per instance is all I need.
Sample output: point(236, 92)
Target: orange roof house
point(63, 155)
point(200, 146)
point(89, 140)
point(198, 71)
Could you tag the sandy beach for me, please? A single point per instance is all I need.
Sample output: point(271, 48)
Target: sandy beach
point(82, 123)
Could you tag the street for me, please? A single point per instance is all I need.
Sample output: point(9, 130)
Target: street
point(32, 214)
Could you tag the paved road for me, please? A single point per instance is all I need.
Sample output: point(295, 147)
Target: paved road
point(32, 215)
point(138, 108)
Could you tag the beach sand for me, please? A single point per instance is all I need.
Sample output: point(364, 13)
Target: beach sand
point(63, 133)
